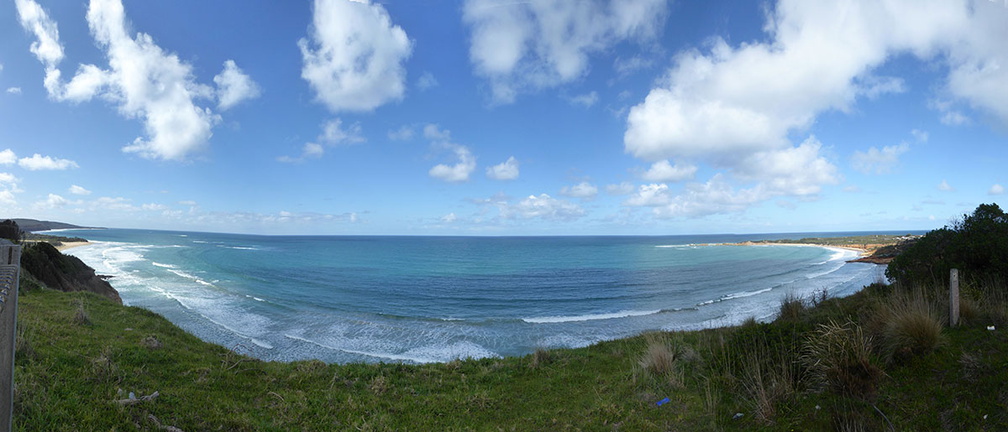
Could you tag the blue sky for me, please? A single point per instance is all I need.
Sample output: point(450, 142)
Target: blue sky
point(497, 117)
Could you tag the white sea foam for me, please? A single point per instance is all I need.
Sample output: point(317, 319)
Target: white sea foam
point(589, 317)
point(167, 266)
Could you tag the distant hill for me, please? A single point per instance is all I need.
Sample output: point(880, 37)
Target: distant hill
point(32, 225)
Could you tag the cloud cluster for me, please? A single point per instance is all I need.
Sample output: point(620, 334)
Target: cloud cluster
point(465, 161)
point(507, 170)
point(142, 79)
point(531, 45)
point(542, 206)
point(736, 108)
point(36, 162)
point(354, 56)
point(334, 134)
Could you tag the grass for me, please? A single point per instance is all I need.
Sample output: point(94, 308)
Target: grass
point(822, 368)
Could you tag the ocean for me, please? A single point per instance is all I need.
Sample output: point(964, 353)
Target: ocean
point(435, 299)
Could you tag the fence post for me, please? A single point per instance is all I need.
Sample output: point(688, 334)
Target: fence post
point(953, 297)
point(10, 267)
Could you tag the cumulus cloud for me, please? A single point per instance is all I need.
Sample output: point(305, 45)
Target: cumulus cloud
point(878, 161)
point(583, 190)
point(996, 189)
point(532, 45)
point(585, 100)
point(38, 162)
point(354, 55)
point(52, 201)
point(7, 157)
point(78, 190)
point(334, 134)
point(404, 133)
point(426, 81)
point(234, 86)
point(736, 108)
point(507, 170)
point(143, 80)
point(14, 90)
point(663, 171)
point(541, 207)
point(624, 188)
point(944, 186)
point(459, 171)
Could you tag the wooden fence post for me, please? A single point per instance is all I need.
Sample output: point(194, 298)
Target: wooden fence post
point(953, 297)
point(10, 266)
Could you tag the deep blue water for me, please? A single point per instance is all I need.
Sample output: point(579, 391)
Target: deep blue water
point(423, 299)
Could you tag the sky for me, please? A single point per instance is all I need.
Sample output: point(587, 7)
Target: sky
point(502, 117)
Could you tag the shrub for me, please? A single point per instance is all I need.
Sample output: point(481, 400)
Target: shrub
point(977, 245)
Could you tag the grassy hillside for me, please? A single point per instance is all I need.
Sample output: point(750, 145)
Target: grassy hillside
point(826, 364)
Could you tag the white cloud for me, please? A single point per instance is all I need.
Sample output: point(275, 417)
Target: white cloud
point(7, 198)
point(750, 97)
point(919, 135)
point(507, 170)
point(8, 179)
point(143, 80)
point(404, 133)
point(458, 172)
point(586, 100)
point(541, 207)
point(449, 218)
point(38, 162)
point(663, 171)
point(334, 133)
point(996, 189)
point(945, 187)
point(878, 161)
point(234, 86)
point(583, 190)
point(435, 133)
point(978, 61)
point(426, 81)
point(78, 190)
point(52, 201)
point(14, 90)
point(7, 157)
point(532, 45)
point(354, 57)
point(650, 195)
point(624, 188)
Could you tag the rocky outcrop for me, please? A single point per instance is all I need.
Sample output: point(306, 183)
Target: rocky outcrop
point(63, 272)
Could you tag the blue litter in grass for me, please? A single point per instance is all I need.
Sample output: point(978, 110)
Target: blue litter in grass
point(662, 402)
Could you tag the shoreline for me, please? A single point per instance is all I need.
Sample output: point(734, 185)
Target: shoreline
point(70, 245)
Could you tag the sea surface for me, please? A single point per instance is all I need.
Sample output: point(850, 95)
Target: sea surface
point(434, 299)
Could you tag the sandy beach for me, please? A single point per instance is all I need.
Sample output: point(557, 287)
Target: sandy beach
point(70, 245)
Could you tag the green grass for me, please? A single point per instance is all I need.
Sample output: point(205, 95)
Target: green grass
point(70, 372)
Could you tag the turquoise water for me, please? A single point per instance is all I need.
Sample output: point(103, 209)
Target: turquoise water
point(433, 299)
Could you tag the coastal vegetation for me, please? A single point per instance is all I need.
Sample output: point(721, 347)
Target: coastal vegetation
point(881, 359)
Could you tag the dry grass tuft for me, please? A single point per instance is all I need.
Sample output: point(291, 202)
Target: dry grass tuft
point(151, 342)
point(81, 316)
point(838, 356)
point(911, 325)
point(540, 357)
point(792, 308)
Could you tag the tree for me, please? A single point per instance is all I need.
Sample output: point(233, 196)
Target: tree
point(976, 244)
point(11, 231)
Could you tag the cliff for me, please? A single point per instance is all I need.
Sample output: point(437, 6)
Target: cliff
point(63, 272)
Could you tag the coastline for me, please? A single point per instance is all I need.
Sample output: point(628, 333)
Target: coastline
point(70, 245)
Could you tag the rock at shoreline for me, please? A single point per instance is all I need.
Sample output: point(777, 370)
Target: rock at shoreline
point(64, 272)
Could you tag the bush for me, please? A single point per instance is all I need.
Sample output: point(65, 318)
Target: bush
point(977, 245)
point(911, 325)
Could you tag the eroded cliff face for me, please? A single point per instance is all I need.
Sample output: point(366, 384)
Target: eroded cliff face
point(63, 272)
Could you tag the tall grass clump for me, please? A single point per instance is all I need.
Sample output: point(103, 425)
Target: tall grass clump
point(910, 324)
point(665, 359)
point(792, 308)
point(839, 358)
